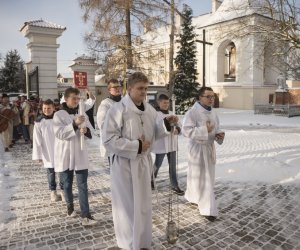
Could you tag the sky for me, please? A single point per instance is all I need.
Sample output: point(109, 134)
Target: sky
point(13, 14)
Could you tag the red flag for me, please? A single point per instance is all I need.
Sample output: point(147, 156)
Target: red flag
point(80, 79)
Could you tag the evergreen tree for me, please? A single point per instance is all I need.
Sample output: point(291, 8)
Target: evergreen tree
point(12, 73)
point(185, 84)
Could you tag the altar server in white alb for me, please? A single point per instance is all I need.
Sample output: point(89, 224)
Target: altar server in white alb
point(201, 126)
point(115, 91)
point(130, 129)
point(69, 157)
point(43, 146)
point(166, 146)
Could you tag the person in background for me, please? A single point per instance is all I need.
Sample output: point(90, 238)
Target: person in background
point(166, 146)
point(33, 114)
point(90, 112)
point(57, 105)
point(115, 90)
point(8, 133)
point(24, 113)
point(16, 122)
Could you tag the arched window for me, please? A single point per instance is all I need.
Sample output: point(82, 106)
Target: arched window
point(230, 63)
point(226, 67)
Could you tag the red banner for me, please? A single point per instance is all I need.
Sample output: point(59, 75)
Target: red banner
point(80, 79)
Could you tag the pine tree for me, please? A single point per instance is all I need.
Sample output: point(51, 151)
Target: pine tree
point(12, 73)
point(185, 87)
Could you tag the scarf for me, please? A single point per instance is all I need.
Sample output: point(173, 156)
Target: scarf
point(115, 98)
point(70, 111)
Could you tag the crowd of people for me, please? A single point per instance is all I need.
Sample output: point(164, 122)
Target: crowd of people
point(17, 119)
point(130, 130)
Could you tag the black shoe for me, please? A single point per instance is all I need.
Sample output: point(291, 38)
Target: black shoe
point(178, 191)
point(152, 185)
point(70, 210)
point(210, 218)
point(6, 150)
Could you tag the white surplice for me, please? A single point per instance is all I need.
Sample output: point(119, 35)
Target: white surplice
point(67, 150)
point(201, 158)
point(43, 142)
point(165, 144)
point(130, 171)
point(102, 111)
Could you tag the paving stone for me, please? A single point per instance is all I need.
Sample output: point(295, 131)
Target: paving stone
point(251, 216)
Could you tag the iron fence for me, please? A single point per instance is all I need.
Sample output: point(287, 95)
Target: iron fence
point(288, 110)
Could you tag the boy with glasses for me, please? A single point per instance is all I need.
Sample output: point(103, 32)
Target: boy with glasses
point(201, 126)
point(115, 91)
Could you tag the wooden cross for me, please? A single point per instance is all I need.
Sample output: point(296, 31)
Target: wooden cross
point(204, 42)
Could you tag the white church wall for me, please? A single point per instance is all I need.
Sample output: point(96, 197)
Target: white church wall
point(238, 97)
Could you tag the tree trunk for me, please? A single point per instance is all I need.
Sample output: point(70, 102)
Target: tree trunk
point(129, 61)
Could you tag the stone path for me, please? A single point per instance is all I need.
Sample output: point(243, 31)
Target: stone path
point(252, 216)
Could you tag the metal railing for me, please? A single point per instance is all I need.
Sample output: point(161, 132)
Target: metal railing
point(288, 110)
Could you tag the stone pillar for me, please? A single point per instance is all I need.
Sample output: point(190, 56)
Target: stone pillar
point(42, 48)
point(86, 64)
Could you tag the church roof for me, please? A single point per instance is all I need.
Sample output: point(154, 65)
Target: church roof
point(44, 24)
point(159, 36)
point(232, 9)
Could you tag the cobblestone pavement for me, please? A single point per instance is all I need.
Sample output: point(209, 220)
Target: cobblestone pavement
point(252, 216)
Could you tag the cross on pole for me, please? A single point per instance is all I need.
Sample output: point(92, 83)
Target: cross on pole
point(204, 42)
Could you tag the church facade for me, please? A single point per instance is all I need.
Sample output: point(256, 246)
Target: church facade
point(238, 65)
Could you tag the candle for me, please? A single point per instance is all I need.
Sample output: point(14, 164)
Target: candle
point(82, 125)
point(173, 104)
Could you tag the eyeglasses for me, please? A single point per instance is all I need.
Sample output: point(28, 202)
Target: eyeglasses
point(211, 97)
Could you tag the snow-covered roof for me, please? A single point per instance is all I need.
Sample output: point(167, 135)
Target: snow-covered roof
point(232, 9)
point(99, 77)
point(44, 24)
point(159, 36)
point(84, 57)
point(84, 63)
point(66, 75)
point(198, 21)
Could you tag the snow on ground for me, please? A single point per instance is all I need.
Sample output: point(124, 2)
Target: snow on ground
point(231, 118)
point(257, 148)
point(7, 183)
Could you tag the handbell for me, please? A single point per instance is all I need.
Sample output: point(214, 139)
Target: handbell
point(171, 232)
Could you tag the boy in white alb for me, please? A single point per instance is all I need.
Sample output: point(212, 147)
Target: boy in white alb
point(70, 158)
point(43, 146)
point(201, 126)
point(166, 146)
point(115, 90)
point(129, 131)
